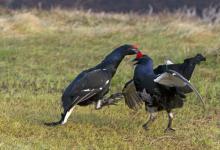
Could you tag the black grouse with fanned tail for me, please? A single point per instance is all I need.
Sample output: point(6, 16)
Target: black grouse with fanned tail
point(91, 85)
point(186, 69)
point(163, 88)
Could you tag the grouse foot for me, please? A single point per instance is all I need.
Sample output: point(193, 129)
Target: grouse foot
point(112, 100)
point(145, 127)
point(169, 129)
point(52, 124)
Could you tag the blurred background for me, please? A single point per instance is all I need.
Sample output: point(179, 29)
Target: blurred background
point(139, 6)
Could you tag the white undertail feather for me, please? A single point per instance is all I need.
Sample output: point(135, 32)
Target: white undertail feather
point(98, 104)
point(171, 115)
point(67, 115)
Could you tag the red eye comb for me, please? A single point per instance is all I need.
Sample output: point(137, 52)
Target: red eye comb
point(139, 55)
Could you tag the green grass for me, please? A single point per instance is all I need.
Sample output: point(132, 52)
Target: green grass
point(40, 57)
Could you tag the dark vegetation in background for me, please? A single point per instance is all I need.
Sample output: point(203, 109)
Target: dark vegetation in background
point(139, 6)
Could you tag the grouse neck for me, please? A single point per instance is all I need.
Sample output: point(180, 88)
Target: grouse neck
point(113, 60)
point(188, 71)
point(146, 67)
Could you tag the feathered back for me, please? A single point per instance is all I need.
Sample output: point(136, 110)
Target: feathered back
point(185, 69)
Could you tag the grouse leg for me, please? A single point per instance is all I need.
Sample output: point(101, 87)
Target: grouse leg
point(111, 100)
point(151, 118)
point(170, 119)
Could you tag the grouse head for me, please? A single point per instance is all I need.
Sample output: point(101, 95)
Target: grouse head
point(141, 59)
point(128, 49)
point(198, 58)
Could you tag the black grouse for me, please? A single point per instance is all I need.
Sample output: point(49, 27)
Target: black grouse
point(163, 88)
point(91, 85)
point(185, 69)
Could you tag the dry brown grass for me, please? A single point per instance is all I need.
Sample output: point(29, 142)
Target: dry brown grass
point(26, 21)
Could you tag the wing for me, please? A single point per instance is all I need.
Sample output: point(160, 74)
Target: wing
point(86, 85)
point(175, 79)
point(163, 68)
point(169, 80)
point(176, 67)
point(132, 99)
point(88, 81)
point(189, 85)
point(68, 102)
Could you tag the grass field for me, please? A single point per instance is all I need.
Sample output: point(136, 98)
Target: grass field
point(42, 51)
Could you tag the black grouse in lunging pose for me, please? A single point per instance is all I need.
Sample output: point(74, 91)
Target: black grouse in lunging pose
point(91, 85)
point(163, 88)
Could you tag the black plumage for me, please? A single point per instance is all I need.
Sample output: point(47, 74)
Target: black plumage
point(162, 88)
point(185, 69)
point(91, 85)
